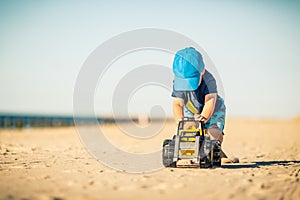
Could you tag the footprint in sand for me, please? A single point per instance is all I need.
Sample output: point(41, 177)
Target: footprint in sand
point(295, 172)
point(144, 186)
point(91, 183)
point(47, 177)
point(57, 198)
point(260, 155)
point(115, 187)
point(265, 186)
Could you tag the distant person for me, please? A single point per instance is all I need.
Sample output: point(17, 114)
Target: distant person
point(195, 93)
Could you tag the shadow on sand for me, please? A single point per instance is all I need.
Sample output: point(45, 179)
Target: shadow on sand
point(261, 164)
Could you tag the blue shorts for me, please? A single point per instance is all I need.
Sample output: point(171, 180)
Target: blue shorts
point(216, 121)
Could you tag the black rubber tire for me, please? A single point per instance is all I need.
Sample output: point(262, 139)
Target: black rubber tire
point(166, 142)
point(217, 155)
point(205, 163)
point(168, 153)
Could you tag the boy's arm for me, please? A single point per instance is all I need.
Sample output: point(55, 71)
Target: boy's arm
point(178, 104)
point(209, 105)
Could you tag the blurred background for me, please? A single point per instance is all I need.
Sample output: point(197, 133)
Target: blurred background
point(255, 46)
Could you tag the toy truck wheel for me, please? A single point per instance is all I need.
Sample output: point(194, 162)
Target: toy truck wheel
point(168, 153)
point(205, 163)
point(217, 154)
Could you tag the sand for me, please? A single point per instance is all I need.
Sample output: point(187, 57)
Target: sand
point(51, 163)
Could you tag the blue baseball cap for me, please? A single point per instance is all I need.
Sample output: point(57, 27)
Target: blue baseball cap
point(187, 67)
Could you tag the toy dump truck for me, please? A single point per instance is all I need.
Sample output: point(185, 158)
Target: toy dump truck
point(191, 147)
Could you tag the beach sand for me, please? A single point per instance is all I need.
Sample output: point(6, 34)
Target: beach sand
point(52, 164)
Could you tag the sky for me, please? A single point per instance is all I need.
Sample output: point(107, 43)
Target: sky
point(255, 46)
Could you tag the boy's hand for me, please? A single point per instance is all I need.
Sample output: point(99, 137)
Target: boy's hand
point(200, 118)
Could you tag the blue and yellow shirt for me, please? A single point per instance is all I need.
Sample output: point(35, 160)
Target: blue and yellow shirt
point(194, 100)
